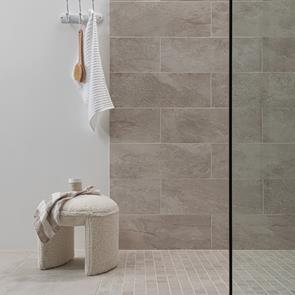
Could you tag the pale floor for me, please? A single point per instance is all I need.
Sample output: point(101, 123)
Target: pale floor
point(175, 272)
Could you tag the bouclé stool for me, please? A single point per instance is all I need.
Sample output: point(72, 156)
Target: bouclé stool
point(100, 216)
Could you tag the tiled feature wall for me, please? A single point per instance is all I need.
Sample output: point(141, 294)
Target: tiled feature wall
point(169, 131)
point(264, 124)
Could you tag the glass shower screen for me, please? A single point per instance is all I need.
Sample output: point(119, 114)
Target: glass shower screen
point(263, 147)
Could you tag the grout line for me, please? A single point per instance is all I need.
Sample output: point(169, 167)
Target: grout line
point(263, 204)
point(160, 55)
point(211, 20)
point(211, 91)
point(211, 233)
point(211, 161)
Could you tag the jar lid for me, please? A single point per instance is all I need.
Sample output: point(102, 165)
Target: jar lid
point(75, 180)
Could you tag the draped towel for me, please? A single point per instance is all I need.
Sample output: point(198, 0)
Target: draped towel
point(47, 215)
point(95, 91)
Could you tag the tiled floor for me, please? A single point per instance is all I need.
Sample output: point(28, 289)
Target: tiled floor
point(264, 272)
point(175, 272)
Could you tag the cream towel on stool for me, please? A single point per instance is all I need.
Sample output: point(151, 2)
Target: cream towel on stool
point(47, 215)
point(95, 91)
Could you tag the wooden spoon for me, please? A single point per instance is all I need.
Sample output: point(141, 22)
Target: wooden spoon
point(79, 69)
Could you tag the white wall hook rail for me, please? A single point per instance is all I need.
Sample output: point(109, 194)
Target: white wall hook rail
point(75, 18)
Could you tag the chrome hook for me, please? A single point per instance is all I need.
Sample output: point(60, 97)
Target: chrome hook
point(93, 8)
point(68, 10)
point(80, 12)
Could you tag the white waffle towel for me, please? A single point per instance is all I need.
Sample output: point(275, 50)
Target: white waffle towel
point(95, 90)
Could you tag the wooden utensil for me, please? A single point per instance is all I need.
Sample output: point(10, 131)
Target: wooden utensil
point(79, 69)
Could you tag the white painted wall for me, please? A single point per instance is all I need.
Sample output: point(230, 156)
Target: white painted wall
point(45, 138)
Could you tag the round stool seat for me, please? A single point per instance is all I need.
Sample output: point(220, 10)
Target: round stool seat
point(76, 210)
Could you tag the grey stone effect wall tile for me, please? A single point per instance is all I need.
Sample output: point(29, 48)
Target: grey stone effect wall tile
point(264, 232)
point(279, 125)
point(278, 160)
point(185, 160)
point(278, 18)
point(278, 54)
point(220, 161)
point(280, 89)
point(194, 55)
point(247, 161)
point(255, 90)
point(135, 125)
point(257, 161)
point(194, 196)
point(247, 55)
point(174, 19)
point(279, 196)
point(220, 232)
point(136, 196)
point(165, 232)
point(247, 196)
point(135, 160)
point(220, 90)
point(137, 168)
point(248, 19)
point(220, 19)
point(194, 125)
point(247, 125)
point(249, 90)
point(135, 54)
point(160, 89)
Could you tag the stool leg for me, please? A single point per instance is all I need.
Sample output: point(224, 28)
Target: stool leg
point(58, 251)
point(101, 243)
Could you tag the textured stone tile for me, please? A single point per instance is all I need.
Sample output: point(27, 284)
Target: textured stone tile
point(135, 160)
point(165, 231)
point(184, 90)
point(185, 160)
point(280, 89)
point(279, 196)
point(249, 90)
point(278, 54)
point(135, 54)
point(263, 160)
point(194, 125)
point(220, 19)
point(278, 160)
point(278, 20)
point(160, 89)
point(135, 125)
point(220, 162)
point(247, 54)
point(248, 19)
point(220, 233)
point(247, 125)
point(185, 19)
point(220, 90)
point(264, 231)
point(247, 196)
point(278, 125)
point(193, 196)
point(194, 55)
point(247, 161)
point(136, 196)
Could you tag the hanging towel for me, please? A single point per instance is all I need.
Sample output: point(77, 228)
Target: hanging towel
point(95, 91)
point(47, 215)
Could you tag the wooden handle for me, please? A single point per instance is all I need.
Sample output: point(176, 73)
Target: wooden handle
point(81, 59)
